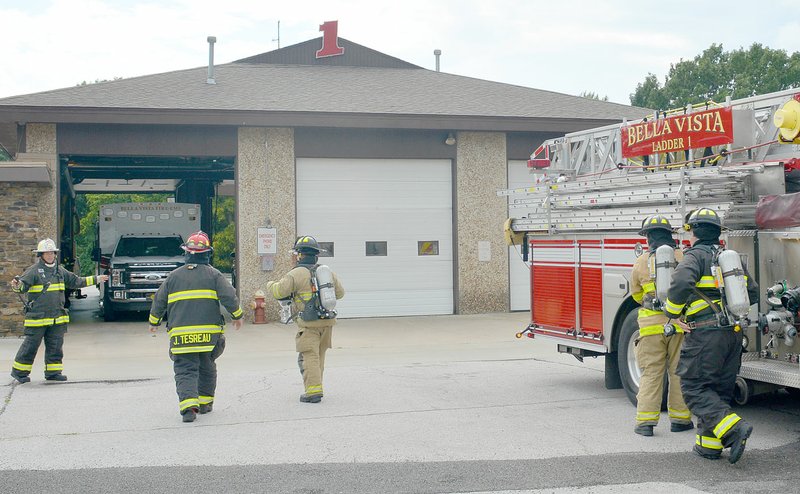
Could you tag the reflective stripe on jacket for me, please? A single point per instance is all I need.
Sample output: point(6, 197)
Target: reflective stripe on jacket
point(191, 297)
point(47, 308)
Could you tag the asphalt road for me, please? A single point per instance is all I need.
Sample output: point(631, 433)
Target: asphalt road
point(447, 404)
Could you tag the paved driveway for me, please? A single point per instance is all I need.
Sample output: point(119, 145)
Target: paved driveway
point(412, 404)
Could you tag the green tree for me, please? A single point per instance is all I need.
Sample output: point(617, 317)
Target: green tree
point(715, 74)
point(224, 232)
point(97, 81)
point(593, 95)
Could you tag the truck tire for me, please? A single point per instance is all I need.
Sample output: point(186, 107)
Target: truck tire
point(109, 314)
point(629, 371)
point(742, 391)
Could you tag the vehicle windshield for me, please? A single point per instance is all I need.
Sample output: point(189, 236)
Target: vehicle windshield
point(149, 246)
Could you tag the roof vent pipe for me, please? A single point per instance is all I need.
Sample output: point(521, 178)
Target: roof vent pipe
point(211, 41)
point(437, 52)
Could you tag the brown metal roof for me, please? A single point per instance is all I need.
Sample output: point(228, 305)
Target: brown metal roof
point(255, 91)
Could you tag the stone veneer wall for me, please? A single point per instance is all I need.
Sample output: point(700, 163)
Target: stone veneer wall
point(265, 183)
point(29, 213)
point(481, 169)
point(19, 233)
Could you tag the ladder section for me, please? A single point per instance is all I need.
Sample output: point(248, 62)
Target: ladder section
point(620, 203)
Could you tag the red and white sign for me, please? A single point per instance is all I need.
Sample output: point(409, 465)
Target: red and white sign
point(330, 40)
point(678, 133)
point(267, 241)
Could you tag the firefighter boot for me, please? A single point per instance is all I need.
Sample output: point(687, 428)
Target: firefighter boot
point(737, 440)
point(644, 430)
point(21, 379)
point(56, 377)
point(706, 453)
point(189, 414)
point(311, 398)
point(206, 408)
point(676, 427)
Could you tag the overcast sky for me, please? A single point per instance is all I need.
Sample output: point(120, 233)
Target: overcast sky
point(603, 46)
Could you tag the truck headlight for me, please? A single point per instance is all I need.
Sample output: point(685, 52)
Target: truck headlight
point(116, 277)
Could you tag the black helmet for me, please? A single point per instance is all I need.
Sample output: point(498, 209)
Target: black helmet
point(307, 245)
point(655, 222)
point(703, 216)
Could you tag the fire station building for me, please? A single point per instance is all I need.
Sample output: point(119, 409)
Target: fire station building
point(393, 167)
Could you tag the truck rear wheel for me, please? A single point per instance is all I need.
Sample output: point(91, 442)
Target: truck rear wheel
point(742, 390)
point(629, 372)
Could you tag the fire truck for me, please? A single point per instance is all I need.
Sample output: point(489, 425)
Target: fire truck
point(577, 227)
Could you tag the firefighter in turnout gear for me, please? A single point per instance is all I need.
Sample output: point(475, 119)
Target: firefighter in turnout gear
point(711, 354)
point(313, 337)
point(655, 351)
point(45, 315)
point(190, 297)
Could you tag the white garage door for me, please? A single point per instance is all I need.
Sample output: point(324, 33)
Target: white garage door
point(390, 223)
point(519, 274)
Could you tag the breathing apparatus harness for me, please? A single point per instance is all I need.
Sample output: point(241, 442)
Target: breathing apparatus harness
point(323, 296)
point(729, 278)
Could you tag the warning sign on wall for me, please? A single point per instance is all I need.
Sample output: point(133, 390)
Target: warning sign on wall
point(267, 241)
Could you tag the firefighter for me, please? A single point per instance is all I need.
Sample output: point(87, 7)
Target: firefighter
point(313, 337)
point(711, 353)
point(655, 351)
point(190, 297)
point(45, 316)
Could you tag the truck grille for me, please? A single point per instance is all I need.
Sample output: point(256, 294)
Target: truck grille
point(149, 274)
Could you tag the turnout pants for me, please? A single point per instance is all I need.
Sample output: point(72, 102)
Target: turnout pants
point(53, 337)
point(710, 360)
point(196, 377)
point(656, 354)
point(311, 345)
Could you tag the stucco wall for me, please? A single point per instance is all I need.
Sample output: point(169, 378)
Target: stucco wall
point(481, 169)
point(40, 145)
point(265, 184)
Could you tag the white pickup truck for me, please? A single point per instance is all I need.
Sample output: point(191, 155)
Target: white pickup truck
point(138, 244)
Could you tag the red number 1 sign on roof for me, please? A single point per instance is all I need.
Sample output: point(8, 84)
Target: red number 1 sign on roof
point(330, 40)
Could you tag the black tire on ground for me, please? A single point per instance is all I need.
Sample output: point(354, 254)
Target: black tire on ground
point(742, 391)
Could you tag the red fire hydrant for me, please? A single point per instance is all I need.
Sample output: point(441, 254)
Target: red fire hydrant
point(259, 305)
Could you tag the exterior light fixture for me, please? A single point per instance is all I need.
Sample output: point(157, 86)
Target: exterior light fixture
point(451, 139)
